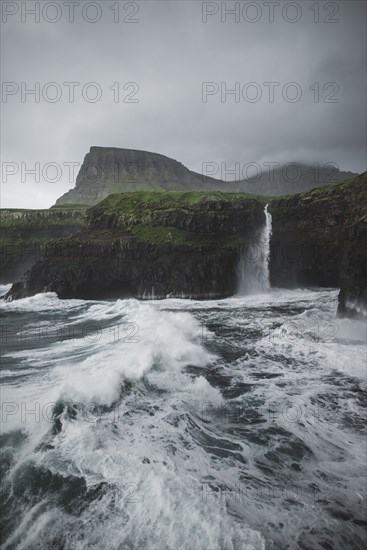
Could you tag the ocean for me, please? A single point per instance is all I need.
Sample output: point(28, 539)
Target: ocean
point(235, 424)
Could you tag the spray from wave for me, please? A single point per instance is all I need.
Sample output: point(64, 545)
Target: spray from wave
point(127, 425)
point(118, 436)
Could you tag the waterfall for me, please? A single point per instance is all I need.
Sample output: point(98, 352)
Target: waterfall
point(254, 262)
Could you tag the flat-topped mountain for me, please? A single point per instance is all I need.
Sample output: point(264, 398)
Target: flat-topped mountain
point(109, 170)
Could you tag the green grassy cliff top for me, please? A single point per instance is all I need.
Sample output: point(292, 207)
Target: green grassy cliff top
point(134, 201)
point(353, 185)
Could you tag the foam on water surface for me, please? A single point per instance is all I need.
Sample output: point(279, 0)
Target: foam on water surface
point(176, 440)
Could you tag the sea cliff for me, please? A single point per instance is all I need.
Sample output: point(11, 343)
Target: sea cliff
point(320, 239)
point(151, 244)
point(24, 234)
point(166, 243)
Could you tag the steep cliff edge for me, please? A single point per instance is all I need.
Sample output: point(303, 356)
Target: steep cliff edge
point(158, 243)
point(353, 271)
point(150, 244)
point(319, 238)
point(24, 234)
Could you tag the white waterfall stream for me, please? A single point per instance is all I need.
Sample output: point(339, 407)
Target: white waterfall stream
point(254, 262)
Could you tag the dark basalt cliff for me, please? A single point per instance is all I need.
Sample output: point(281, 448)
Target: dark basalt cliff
point(353, 270)
point(24, 234)
point(158, 243)
point(320, 239)
point(150, 244)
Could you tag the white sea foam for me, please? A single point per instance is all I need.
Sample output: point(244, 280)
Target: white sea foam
point(165, 507)
point(46, 301)
point(4, 289)
point(150, 442)
point(165, 341)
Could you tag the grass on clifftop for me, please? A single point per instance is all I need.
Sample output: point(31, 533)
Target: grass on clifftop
point(70, 206)
point(26, 224)
point(161, 235)
point(356, 183)
point(347, 196)
point(135, 201)
point(171, 235)
point(142, 213)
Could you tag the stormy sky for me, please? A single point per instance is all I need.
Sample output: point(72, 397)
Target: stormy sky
point(158, 76)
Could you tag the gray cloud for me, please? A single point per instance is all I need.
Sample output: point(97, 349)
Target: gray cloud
point(169, 53)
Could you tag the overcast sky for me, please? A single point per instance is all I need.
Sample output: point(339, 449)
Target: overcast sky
point(168, 53)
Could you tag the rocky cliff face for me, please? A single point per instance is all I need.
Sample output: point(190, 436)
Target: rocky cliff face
point(109, 170)
point(24, 234)
point(150, 244)
point(353, 270)
point(319, 238)
point(155, 243)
